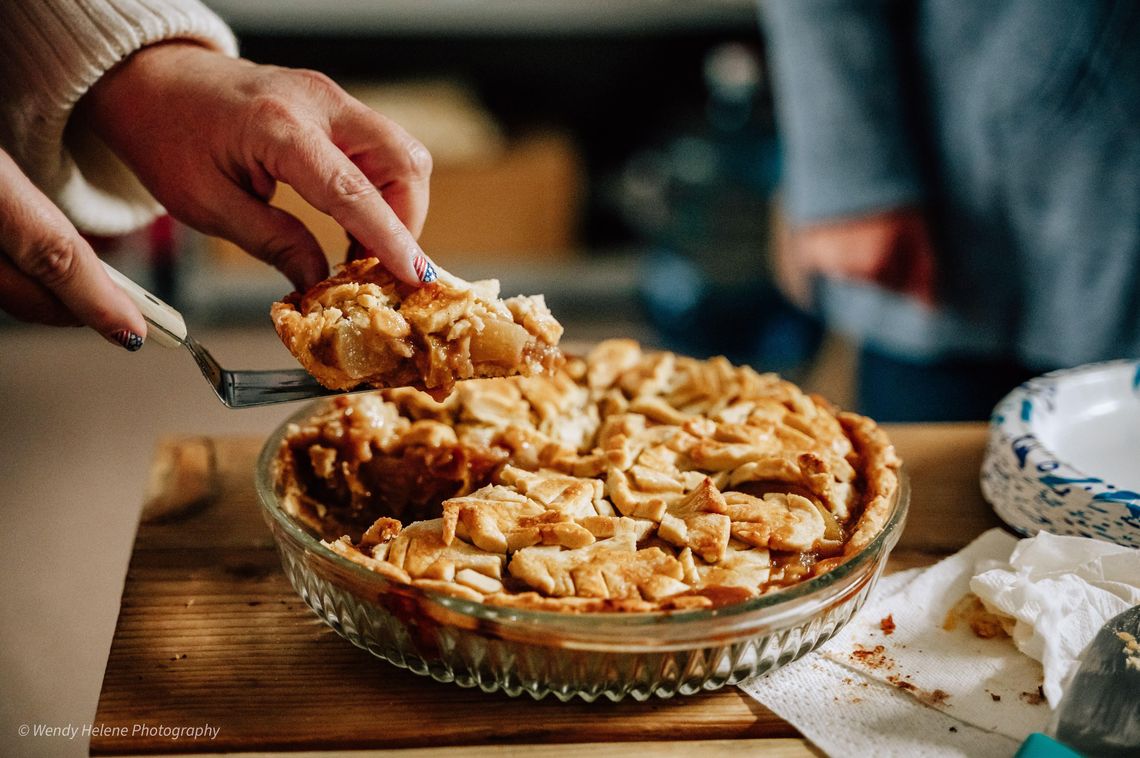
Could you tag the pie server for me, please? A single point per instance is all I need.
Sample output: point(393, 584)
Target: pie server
point(1099, 714)
point(237, 389)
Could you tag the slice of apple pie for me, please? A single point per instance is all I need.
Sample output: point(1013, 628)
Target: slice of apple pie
point(363, 327)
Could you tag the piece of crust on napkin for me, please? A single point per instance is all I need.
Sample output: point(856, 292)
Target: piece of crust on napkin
point(363, 327)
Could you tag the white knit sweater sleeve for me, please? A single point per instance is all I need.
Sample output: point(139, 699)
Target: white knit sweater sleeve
point(51, 53)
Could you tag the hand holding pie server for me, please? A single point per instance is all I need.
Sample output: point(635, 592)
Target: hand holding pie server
point(210, 136)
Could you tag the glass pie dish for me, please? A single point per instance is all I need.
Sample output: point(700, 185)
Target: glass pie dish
point(588, 655)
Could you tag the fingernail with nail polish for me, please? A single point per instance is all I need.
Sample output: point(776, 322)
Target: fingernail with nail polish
point(424, 269)
point(128, 339)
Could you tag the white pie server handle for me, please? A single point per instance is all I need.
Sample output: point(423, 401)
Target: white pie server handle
point(169, 328)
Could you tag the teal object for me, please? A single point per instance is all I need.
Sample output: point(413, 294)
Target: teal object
point(1039, 745)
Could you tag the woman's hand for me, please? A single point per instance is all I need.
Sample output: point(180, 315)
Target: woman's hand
point(48, 272)
point(891, 249)
point(211, 136)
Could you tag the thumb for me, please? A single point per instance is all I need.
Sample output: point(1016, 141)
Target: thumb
point(52, 257)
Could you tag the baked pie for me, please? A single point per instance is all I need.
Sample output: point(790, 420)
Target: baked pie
point(361, 326)
point(627, 480)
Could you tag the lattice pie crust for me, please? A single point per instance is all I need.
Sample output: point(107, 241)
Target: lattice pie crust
point(628, 480)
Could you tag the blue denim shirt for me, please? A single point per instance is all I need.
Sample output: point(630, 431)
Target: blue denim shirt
point(1015, 123)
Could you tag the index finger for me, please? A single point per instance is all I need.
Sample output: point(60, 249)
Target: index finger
point(324, 176)
point(390, 157)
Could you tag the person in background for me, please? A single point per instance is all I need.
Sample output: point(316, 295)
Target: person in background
point(112, 111)
point(962, 186)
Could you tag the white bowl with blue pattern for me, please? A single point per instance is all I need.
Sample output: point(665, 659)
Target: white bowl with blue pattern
point(1064, 454)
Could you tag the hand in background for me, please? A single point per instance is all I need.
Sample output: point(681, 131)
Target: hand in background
point(211, 136)
point(891, 249)
point(48, 272)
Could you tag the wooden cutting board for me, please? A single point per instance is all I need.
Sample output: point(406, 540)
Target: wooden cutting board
point(211, 633)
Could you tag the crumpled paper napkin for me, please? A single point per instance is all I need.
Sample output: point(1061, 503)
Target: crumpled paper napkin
point(901, 680)
point(1061, 590)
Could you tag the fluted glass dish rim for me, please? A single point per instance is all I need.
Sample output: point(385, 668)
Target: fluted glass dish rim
point(395, 620)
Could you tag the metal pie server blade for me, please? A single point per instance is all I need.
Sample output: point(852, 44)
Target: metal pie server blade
point(236, 389)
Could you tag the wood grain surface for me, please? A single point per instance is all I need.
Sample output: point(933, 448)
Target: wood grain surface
point(210, 632)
